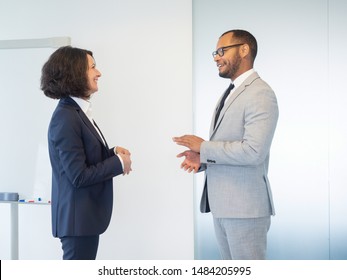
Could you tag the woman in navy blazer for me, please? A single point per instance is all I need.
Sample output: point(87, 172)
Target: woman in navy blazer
point(83, 166)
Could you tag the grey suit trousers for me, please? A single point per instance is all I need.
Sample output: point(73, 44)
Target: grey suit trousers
point(242, 239)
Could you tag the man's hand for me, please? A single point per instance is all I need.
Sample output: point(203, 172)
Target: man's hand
point(192, 142)
point(191, 161)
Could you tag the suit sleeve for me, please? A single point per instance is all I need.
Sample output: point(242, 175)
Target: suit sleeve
point(81, 157)
point(260, 119)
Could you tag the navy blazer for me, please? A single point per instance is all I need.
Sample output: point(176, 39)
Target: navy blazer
point(82, 172)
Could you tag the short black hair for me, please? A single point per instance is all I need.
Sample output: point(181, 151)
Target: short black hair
point(65, 73)
point(245, 37)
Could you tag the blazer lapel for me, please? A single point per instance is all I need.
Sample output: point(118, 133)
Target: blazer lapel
point(103, 138)
point(230, 101)
point(92, 128)
point(84, 118)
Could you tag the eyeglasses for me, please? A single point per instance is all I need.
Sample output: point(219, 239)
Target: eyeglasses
point(220, 51)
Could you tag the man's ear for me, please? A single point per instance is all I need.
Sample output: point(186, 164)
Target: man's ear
point(244, 50)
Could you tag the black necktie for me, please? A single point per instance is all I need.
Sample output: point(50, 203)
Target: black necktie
point(221, 104)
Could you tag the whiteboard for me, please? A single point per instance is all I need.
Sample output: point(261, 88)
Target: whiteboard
point(25, 113)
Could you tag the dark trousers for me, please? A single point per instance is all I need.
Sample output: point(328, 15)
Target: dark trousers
point(80, 247)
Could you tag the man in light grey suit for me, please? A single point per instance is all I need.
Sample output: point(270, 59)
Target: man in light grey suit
point(236, 158)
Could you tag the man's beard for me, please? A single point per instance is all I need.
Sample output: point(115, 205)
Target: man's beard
point(233, 70)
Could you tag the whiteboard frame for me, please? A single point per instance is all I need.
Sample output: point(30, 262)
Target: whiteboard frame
point(53, 42)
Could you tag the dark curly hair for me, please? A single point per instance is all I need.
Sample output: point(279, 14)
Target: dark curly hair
point(65, 73)
point(247, 38)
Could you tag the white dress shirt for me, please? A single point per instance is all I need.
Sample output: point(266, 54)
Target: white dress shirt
point(239, 80)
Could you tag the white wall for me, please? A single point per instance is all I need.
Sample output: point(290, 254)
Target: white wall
point(337, 132)
point(143, 49)
point(301, 55)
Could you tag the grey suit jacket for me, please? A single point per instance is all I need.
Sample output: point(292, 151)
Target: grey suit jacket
point(236, 158)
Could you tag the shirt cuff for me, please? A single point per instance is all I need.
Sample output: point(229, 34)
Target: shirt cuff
point(120, 158)
point(121, 161)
